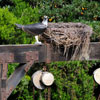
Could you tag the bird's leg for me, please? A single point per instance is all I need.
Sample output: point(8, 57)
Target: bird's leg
point(36, 37)
point(37, 40)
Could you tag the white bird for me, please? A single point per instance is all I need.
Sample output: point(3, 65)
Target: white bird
point(35, 29)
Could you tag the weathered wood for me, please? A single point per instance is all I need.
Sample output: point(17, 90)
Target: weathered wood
point(27, 54)
point(15, 78)
point(95, 51)
point(3, 80)
point(0, 79)
point(17, 75)
point(19, 51)
point(46, 53)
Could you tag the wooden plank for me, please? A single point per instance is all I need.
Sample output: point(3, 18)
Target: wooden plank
point(94, 51)
point(19, 52)
point(3, 80)
point(45, 53)
point(17, 75)
point(0, 78)
point(15, 78)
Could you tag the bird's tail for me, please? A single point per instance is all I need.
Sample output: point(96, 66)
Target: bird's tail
point(19, 26)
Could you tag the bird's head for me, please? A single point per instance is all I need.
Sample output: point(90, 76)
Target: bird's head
point(45, 17)
point(45, 20)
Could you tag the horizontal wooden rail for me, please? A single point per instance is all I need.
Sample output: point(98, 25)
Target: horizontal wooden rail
point(20, 53)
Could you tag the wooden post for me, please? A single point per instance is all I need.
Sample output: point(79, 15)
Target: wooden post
point(33, 92)
point(98, 97)
point(0, 79)
point(3, 81)
point(49, 93)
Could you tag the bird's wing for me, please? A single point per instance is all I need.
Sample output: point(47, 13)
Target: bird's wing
point(34, 29)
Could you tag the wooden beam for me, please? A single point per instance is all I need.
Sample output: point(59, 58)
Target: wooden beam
point(3, 81)
point(19, 72)
point(45, 52)
point(15, 78)
point(28, 54)
point(94, 51)
point(20, 52)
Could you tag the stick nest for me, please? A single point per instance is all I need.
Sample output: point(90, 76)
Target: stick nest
point(71, 39)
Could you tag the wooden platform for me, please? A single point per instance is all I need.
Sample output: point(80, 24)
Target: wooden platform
point(27, 55)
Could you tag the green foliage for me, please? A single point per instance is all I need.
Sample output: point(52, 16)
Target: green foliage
point(7, 31)
point(74, 11)
point(26, 15)
point(65, 11)
point(22, 14)
point(11, 68)
point(72, 80)
point(23, 89)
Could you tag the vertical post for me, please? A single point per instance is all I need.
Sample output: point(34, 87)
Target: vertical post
point(49, 93)
point(3, 80)
point(0, 79)
point(98, 97)
point(33, 93)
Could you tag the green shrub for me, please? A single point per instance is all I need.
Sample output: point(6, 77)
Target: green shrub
point(65, 11)
point(7, 31)
point(25, 15)
point(74, 11)
point(72, 81)
point(22, 14)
